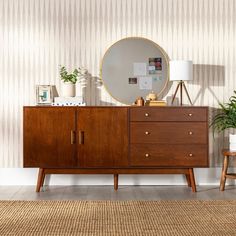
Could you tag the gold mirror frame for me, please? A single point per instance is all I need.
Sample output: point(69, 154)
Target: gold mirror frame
point(163, 53)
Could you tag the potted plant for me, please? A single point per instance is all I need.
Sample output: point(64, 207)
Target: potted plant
point(68, 82)
point(226, 119)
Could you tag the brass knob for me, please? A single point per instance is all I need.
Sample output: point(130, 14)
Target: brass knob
point(146, 114)
point(147, 155)
point(147, 132)
point(190, 132)
point(190, 114)
point(190, 154)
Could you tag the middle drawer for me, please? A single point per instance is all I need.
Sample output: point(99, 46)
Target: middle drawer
point(168, 132)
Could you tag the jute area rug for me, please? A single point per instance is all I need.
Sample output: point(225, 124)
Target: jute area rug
point(118, 217)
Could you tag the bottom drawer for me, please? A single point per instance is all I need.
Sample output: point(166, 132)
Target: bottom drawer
point(169, 155)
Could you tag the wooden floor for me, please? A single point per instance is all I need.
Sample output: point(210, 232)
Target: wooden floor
point(123, 193)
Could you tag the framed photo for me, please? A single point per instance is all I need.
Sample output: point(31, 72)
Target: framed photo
point(44, 94)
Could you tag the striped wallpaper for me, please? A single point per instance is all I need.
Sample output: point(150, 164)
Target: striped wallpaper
point(36, 36)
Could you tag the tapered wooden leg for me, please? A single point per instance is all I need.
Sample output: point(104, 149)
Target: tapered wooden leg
point(192, 180)
point(115, 181)
point(41, 176)
point(223, 173)
point(186, 91)
point(175, 93)
point(188, 180)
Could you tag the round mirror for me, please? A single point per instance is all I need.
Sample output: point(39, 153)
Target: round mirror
point(134, 67)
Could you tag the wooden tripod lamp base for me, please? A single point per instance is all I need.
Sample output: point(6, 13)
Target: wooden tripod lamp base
point(180, 87)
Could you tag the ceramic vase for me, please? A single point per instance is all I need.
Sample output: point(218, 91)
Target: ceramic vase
point(67, 89)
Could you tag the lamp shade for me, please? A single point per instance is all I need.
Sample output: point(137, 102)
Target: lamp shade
point(181, 70)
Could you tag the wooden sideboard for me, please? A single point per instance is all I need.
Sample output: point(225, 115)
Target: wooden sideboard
point(116, 140)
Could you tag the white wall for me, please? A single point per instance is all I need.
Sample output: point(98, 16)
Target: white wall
point(36, 36)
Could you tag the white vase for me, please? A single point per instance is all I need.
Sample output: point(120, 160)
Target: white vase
point(232, 142)
point(67, 89)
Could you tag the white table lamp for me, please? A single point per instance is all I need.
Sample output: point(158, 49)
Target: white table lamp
point(181, 71)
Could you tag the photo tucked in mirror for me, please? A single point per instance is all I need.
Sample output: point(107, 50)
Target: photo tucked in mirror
point(134, 67)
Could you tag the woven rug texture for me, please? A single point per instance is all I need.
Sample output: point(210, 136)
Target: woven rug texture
point(118, 218)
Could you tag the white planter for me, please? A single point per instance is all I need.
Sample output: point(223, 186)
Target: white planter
point(67, 89)
point(232, 142)
point(232, 138)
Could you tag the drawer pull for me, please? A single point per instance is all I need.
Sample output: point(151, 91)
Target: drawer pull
point(190, 154)
point(190, 132)
point(190, 114)
point(146, 114)
point(147, 132)
point(147, 155)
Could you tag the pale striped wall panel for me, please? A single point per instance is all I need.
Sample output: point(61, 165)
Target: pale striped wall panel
point(36, 36)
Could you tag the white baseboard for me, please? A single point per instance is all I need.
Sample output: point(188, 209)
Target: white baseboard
point(28, 176)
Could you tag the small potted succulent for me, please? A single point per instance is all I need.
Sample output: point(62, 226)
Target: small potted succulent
point(226, 119)
point(68, 82)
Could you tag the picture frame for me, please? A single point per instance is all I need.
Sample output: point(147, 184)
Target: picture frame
point(44, 94)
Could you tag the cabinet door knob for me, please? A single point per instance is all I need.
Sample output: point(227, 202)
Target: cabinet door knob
point(190, 114)
point(147, 155)
point(190, 132)
point(146, 114)
point(147, 132)
point(190, 154)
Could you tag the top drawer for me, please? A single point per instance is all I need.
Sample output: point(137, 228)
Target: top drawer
point(168, 114)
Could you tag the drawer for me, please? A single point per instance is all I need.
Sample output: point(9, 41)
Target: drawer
point(168, 114)
point(165, 155)
point(169, 132)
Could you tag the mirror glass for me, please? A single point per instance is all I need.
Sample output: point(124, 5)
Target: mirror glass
point(134, 67)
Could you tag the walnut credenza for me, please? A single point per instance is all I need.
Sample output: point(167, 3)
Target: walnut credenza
point(115, 140)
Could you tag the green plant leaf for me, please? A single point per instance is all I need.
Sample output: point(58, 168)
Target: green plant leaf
point(66, 77)
point(226, 118)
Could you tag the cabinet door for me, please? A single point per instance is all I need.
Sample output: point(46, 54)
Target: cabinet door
point(48, 137)
point(102, 137)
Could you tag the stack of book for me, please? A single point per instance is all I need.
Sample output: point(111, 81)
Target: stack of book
point(68, 101)
point(156, 103)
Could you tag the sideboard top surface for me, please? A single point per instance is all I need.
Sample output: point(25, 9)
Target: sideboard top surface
point(138, 107)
